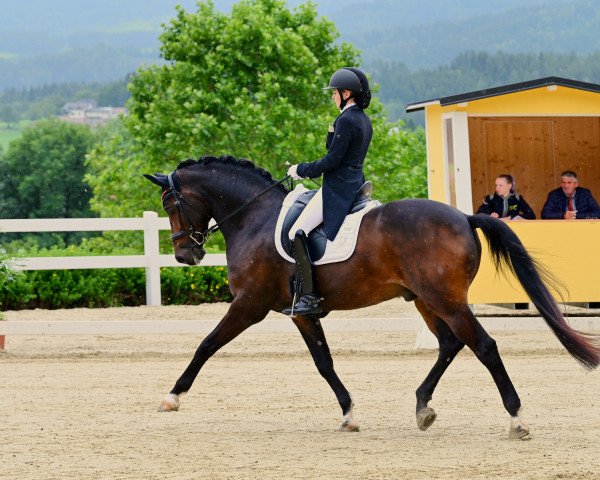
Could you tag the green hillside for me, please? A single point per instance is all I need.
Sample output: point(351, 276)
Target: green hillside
point(45, 42)
point(554, 27)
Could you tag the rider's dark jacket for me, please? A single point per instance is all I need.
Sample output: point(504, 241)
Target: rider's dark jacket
point(342, 166)
point(510, 206)
point(557, 202)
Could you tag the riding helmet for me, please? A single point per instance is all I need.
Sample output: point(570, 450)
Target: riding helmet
point(353, 79)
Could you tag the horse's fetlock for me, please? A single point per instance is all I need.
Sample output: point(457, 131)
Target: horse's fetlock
point(423, 396)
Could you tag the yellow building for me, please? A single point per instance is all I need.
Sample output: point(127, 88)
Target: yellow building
point(532, 130)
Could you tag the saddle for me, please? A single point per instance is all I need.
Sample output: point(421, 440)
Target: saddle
point(318, 247)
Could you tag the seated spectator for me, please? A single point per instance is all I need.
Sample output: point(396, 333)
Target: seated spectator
point(505, 203)
point(570, 201)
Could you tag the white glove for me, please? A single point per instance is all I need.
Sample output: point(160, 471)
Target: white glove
point(292, 172)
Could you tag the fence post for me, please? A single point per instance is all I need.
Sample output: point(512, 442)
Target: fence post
point(151, 252)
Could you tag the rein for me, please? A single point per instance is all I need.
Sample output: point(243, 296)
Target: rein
point(206, 234)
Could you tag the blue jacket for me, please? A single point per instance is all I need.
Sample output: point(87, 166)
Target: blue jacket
point(515, 205)
point(557, 202)
point(341, 167)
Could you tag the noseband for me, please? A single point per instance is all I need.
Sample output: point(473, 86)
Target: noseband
point(201, 237)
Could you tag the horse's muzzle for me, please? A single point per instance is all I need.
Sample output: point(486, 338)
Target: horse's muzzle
point(189, 255)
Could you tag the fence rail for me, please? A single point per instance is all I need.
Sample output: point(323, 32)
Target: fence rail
point(151, 260)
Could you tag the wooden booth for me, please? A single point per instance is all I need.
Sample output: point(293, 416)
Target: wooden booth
point(532, 130)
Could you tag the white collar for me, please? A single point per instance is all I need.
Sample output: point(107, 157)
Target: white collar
point(348, 105)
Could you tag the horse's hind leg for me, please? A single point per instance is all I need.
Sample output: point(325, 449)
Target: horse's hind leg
point(449, 348)
point(312, 333)
point(466, 328)
point(241, 315)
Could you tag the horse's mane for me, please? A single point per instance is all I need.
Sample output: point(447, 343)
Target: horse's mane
point(234, 162)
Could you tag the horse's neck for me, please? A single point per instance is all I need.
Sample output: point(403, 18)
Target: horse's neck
point(255, 212)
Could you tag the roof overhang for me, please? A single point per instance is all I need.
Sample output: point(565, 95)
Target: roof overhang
point(503, 90)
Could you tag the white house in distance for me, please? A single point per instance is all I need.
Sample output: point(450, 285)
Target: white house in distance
point(87, 112)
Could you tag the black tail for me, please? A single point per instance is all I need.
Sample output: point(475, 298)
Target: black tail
point(507, 250)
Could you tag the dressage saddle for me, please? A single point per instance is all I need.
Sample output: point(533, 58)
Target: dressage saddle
point(317, 241)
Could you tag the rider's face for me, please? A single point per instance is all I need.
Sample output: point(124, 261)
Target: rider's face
point(335, 95)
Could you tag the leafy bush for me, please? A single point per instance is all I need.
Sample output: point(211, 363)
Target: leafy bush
point(103, 287)
point(7, 275)
point(191, 285)
point(54, 289)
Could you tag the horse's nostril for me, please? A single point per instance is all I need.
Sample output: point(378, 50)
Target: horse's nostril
point(180, 258)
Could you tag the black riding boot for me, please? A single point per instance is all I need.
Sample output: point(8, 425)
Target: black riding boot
point(308, 304)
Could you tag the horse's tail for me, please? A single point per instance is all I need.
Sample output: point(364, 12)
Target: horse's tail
point(507, 251)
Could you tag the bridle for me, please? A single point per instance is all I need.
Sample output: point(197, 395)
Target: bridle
point(201, 237)
point(190, 232)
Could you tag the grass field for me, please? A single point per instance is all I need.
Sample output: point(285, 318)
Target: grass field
point(7, 135)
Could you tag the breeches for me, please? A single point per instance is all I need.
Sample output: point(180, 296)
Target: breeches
point(311, 217)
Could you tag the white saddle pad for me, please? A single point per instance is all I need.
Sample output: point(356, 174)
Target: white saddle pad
point(345, 241)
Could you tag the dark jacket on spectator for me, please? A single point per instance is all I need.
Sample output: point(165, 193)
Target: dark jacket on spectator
point(512, 206)
point(584, 203)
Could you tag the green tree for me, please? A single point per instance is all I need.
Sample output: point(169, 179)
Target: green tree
point(396, 162)
point(247, 83)
point(43, 172)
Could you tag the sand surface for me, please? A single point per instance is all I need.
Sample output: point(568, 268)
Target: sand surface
point(79, 407)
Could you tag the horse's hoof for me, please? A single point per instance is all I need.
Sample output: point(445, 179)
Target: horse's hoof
point(349, 425)
point(518, 433)
point(519, 430)
point(425, 418)
point(170, 403)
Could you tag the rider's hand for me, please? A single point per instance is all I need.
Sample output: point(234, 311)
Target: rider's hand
point(292, 172)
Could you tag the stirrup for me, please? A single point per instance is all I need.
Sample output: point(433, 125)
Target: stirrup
point(307, 305)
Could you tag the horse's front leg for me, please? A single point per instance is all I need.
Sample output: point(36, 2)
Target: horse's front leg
point(241, 315)
point(312, 333)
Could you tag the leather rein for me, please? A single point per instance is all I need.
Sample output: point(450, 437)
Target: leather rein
point(201, 237)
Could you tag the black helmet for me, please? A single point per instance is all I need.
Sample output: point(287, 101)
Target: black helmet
point(351, 78)
point(345, 79)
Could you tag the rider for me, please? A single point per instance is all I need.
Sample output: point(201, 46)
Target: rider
point(342, 169)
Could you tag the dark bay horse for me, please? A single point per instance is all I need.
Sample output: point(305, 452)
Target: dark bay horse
point(422, 250)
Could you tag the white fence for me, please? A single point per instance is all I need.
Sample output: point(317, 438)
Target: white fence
point(151, 260)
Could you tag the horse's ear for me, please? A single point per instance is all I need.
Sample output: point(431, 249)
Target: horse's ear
point(158, 179)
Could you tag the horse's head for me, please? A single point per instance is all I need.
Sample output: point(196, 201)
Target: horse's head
point(188, 214)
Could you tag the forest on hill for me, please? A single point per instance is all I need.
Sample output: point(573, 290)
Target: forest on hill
point(470, 71)
point(104, 40)
point(395, 82)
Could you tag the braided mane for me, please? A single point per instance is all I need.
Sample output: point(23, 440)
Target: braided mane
point(236, 163)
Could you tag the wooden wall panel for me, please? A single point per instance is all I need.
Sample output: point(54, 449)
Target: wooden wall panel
point(577, 142)
point(480, 185)
point(535, 150)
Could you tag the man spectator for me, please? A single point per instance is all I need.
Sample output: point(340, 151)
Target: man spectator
point(570, 201)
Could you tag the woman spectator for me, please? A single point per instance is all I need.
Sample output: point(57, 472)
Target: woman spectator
point(505, 204)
